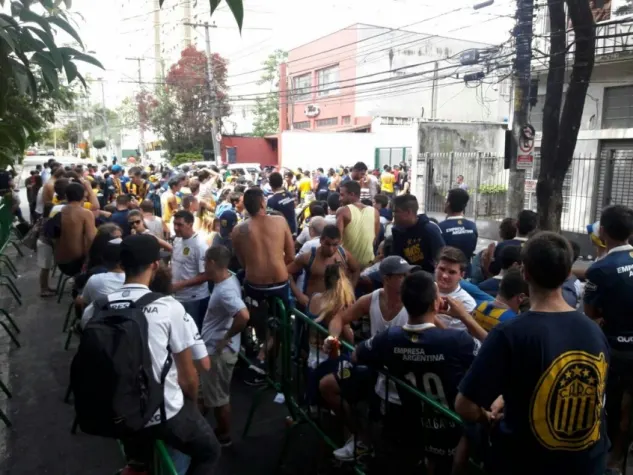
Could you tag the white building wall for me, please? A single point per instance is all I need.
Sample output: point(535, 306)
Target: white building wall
point(413, 97)
point(331, 149)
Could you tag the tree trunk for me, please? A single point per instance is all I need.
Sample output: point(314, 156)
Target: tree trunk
point(560, 131)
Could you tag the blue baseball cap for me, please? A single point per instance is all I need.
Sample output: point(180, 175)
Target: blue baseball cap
point(228, 220)
point(116, 168)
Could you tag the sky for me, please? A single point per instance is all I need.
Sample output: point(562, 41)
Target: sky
point(120, 29)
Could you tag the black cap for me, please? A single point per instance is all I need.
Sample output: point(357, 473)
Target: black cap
point(139, 250)
point(395, 265)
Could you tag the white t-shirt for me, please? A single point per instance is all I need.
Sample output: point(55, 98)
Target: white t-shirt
point(154, 225)
point(187, 261)
point(330, 219)
point(199, 349)
point(309, 245)
point(167, 327)
point(225, 302)
point(45, 174)
point(39, 201)
point(466, 300)
point(101, 285)
point(56, 209)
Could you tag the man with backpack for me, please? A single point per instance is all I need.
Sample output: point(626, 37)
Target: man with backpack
point(140, 396)
point(314, 263)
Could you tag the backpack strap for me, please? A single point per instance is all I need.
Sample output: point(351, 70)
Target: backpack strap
point(313, 252)
point(147, 299)
point(341, 251)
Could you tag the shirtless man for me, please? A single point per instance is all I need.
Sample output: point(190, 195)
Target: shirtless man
point(77, 231)
point(359, 224)
point(48, 190)
point(264, 247)
point(314, 263)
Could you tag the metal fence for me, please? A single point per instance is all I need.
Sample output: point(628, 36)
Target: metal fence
point(591, 183)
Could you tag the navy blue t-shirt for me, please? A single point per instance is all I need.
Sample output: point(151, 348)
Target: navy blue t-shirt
point(610, 288)
point(490, 286)
point(432, 360)
point(460, 233)
point(119, 217)
point(495, 265)
point(322, 184)
point(418, 244)
point(284, 202)
point(551, 370)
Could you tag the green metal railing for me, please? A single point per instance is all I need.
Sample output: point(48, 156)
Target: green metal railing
point(287, 379)
point(8, 236)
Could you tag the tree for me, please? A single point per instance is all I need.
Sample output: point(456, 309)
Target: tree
point(236, 6)
point(127, 113)
point(30, 64)
point(267, 107)
point(99, 144)
point(181, 110)
point(560, 131)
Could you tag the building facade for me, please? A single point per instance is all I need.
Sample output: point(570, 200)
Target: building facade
point(345, 79)
point(602, 170)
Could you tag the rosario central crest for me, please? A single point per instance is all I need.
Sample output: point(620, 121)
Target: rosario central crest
point(568, 400)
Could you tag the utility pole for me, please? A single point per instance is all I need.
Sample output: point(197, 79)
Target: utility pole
point(157, 43)
point(521, 150)
point(212, 90)
point(140, 122)
point(105, 113)
point(434, 91)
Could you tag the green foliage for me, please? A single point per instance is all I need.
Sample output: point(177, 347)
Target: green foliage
point(236, 7)
point(99, 144)
point(181, 111)
point(185, 157)
point(30, 66)
point(267, 108)
point(492, 189)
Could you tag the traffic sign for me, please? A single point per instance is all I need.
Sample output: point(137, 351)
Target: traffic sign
point(525, 161)
point(530, 186)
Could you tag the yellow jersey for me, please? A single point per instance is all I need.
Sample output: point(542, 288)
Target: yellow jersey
point(387, 181)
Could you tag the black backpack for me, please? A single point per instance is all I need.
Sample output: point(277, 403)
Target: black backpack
point(111, 375)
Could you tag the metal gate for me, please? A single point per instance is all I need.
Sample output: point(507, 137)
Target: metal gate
point(615, 176)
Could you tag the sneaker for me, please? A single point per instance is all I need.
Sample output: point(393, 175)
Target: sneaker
point(256, 374)
point(346, 453)
point(224, 440)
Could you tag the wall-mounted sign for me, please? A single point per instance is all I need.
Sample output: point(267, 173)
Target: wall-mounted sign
point(525, 161)
point(530, 186)
point(311, 110)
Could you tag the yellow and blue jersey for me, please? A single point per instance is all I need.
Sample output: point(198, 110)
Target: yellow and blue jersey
point(490, 314)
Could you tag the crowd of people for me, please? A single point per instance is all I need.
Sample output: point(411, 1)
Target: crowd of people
point(533, 355)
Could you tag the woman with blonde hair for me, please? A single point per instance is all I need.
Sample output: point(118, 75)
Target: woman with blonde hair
point(322, 307)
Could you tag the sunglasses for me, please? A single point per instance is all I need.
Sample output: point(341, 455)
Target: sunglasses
point(133, 223)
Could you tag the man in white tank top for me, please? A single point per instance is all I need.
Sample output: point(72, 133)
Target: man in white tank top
point(351, 384)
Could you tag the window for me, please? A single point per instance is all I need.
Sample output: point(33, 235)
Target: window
point(346, 120)
point(327, 122)
point(618, 108)
point(302, 86)
point(301, 125)
point(327, 81)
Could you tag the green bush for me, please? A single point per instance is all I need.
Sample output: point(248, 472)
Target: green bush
point(99, 144)
point(180, 158)
point(492, 189)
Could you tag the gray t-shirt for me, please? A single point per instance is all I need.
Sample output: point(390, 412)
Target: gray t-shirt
point(224, 303)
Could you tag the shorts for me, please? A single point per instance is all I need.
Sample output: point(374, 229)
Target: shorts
point(216, 383)
point(356, 382)
point(256, 295)
point(72, 268)
point(44, 255)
